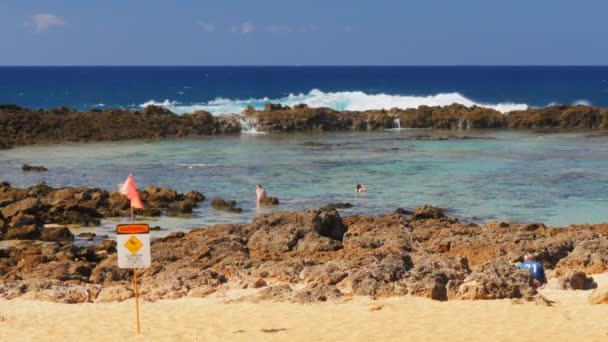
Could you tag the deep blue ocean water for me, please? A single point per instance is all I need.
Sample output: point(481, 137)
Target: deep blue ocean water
point(230, 89)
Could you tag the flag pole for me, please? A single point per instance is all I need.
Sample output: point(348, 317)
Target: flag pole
point(135, 281)
point(136, 299)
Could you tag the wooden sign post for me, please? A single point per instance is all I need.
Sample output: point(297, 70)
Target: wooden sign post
point(133, 246)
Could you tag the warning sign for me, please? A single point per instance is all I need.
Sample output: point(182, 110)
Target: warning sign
point(133, 245)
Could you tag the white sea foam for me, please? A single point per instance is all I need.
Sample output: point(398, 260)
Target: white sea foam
point(345, 100)
point(582, 102)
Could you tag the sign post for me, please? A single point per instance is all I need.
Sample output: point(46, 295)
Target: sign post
point(133, 246)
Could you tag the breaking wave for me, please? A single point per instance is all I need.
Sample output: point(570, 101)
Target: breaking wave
point(344, 100)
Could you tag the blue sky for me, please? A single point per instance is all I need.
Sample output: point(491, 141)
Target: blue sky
point(311, 32)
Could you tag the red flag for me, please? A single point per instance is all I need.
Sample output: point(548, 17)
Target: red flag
point(128, 189)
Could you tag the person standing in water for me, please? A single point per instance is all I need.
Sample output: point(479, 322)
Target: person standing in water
point(361, 188)
point(260, 192)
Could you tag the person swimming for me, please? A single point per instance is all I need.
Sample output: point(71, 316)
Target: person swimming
point(361, 188)
point(260, 192)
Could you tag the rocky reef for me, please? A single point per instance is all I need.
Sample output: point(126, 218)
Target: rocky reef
point(25, 127)
point(277, 118)
point(317, 255)
point(24, 212)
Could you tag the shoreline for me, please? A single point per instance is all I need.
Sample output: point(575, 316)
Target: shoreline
point(358, 318)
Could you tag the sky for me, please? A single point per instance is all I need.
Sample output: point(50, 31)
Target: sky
point(303, 32)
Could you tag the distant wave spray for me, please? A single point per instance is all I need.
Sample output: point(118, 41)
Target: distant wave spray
point(345, 100)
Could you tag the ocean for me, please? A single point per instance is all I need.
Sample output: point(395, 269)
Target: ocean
point(556, 178)
point(230, 89)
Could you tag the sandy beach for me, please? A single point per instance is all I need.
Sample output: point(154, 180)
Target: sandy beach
point(361, 318)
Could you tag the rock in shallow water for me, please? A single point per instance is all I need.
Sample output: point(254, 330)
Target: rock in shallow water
point(26, 167)
point(56, 234)
point(222, 204)
point(269, 201)
point(428, 212)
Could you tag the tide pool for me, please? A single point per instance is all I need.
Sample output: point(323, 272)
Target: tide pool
point(558, 179)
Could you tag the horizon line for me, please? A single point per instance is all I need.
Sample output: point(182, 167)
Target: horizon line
point(294, 65)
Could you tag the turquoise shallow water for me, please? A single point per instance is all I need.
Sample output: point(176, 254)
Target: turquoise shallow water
point(558, 179)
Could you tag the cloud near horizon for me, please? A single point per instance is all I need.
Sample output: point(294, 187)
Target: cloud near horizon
point(45, 21)
point(243, 28)
point(207, 27)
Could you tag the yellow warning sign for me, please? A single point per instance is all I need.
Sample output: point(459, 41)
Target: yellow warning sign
point(133, 244)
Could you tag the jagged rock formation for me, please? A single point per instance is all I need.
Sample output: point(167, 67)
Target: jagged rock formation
point(313, 256)
point(23, 212)
point(25, 127)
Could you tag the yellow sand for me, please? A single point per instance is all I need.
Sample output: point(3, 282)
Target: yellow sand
point(363, 319)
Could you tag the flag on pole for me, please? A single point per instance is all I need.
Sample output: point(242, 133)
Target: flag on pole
point(130, 191)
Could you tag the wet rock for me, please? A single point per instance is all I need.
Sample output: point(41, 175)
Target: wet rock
point(56, 234)
point(184, 208)
point(402, 211)
point(576, 280)
point(269, 201)
point(345, 205)
point(194, 196)
point(26, 167)
point(148, 212)
point(155, 194)
point(23, 233)
point(534, 226)
point(222, 204)
point(314, 144)
point(156, 110)
point(428, 212)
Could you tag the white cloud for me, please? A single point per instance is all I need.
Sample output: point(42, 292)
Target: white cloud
point(243, 28)
point(44, 21)
point(207, 27)
point(279, 28)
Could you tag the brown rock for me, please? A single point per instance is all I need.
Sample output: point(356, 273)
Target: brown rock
point(269, 201)
point(29, 206)
point(26, 167)
point(56, 234)
point(259, 283)
point(589, 257)
point(428, 212)
point(222, 204)
point(576, 280)
point(111, 294)
point(23, 233)
point(22, 219)
point(495, 280)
